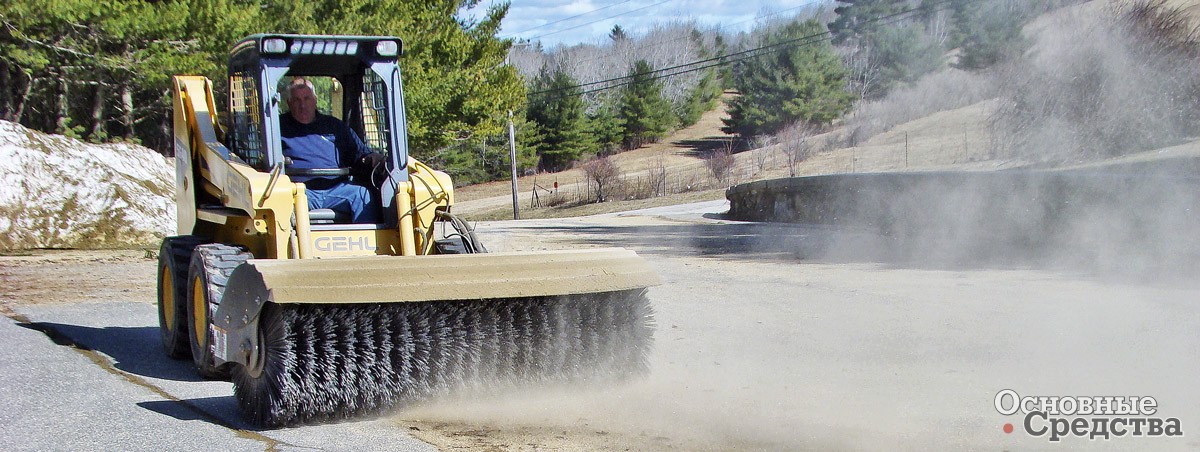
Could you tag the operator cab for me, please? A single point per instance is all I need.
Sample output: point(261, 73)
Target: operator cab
point(357, 80)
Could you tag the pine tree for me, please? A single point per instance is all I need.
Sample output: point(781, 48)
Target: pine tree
point(606, 129)
point(471, 162)
point(987, 33)
point(856, 18)
point(885, 42)
point(903, 54)
point(803, 83)
point(645, 114)
point(559, 115)
point(703, 97)
point(617, 34)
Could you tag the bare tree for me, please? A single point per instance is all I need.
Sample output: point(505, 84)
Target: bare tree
point(604, 173)
point(865, 74)
point(720, 162)
point(796, 144)
point(658, 176)
point(762, 155)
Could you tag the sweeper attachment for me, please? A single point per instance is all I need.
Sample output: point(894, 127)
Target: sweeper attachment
point(317, 318)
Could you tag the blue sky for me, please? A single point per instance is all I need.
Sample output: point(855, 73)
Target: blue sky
point(552, 21)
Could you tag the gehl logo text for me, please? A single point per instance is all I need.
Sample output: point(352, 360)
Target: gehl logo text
point(343, 243)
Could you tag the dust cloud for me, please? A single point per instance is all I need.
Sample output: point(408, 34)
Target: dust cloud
point(1106, 105)
point(1101, 79)
point(827, 356)
point(1130, 221)
point(715, 404)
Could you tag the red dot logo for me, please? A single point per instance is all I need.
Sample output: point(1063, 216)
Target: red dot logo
point(1008, 428)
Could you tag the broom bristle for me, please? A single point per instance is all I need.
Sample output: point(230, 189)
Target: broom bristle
point(334, 361)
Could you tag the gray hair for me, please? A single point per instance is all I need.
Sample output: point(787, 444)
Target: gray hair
point(298, 83)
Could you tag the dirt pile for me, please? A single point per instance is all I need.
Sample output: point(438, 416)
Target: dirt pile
point(58, 192)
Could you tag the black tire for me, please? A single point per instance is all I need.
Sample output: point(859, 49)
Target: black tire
point(207, 275)
point(173, 258)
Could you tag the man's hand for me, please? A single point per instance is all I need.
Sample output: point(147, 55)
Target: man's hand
point(373, 160)
point(371, 168)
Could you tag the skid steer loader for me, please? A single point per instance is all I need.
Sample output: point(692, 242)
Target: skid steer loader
point(314, 318)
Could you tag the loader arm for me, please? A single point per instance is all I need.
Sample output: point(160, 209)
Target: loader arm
point(218, 194)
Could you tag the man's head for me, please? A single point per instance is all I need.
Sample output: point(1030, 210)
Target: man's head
point(302, 101)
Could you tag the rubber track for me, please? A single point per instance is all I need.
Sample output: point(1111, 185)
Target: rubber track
point(218, 261)
point(330, 362)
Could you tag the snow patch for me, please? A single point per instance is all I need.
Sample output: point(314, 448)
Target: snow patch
point(58, 192)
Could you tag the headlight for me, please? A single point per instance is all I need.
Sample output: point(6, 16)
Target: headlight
point(387, 48)
point(274, 45)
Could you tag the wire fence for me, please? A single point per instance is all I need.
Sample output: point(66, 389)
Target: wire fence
point(901, 151)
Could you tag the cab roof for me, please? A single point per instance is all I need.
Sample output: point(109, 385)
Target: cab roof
point(328, 55)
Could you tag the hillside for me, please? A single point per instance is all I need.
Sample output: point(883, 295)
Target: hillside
point(1099, 111)
point(950, 139)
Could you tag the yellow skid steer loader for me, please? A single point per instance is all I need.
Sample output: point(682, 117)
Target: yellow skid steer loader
point(317, 318)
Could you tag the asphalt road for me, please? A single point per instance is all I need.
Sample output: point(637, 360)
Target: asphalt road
point(768, 338)
point(101, 382)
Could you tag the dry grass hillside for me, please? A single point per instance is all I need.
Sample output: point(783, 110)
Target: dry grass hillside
point(680, 155)
point(951, 139)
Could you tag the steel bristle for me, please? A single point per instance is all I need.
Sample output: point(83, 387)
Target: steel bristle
point(331, 362)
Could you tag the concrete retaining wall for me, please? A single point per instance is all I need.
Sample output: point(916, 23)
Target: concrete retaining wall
point(1117, 211)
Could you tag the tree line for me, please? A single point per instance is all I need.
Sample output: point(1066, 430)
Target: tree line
point(101, 70)
point(804, 71)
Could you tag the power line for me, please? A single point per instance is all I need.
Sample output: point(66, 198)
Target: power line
point(701, 68)
point(723, 27)
point(569, 18)
point(598, 20)
point(723, 59)
point(706, 60)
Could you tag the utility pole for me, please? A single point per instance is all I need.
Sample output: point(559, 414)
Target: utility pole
point(512, 157)
point(512, 149)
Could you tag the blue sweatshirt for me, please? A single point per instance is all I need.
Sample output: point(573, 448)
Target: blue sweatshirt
point(326, 142)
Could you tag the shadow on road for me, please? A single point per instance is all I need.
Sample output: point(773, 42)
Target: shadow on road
point(136, 350)
point(761, 241)
point(222, 411)
point(177, 409)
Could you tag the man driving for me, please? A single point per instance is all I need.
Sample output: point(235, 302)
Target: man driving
point(314, 140)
